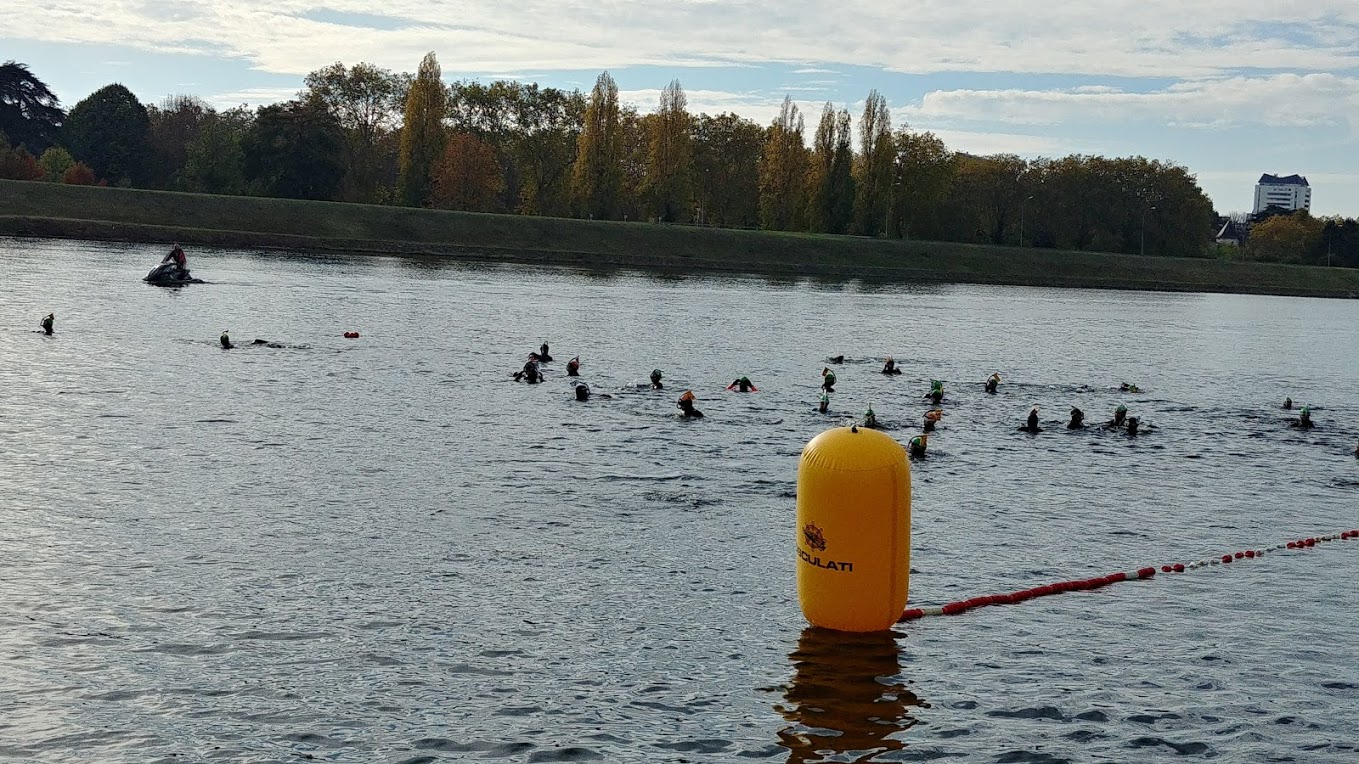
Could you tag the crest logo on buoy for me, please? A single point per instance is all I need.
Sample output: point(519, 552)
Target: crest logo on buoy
point(814, 537)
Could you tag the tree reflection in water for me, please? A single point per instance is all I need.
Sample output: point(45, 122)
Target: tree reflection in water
point(847, 700)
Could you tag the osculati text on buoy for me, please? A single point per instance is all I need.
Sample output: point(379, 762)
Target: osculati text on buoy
point(816, 562)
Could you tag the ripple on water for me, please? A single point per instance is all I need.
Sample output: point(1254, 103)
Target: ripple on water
point(272, 555)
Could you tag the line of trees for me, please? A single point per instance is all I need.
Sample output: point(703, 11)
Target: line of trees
point(365, 134)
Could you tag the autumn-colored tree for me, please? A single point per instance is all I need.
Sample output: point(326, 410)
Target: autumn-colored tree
point(215, 162)
point(727, 170)
point(783, 172)
point(924, 172)
point(819, 172)
point(633, 130)
point(174, 124)
point(597, 177)
point(367, 101)
point(549, 126)
point(670, 157)
point(108, 131)
point(842, 185)
point(80, 174)
point(55, 162)
point(1284, 238)
point(468, 176)
point(422, 133)
point(983, 205)
point(18, 164)
point(873, 180)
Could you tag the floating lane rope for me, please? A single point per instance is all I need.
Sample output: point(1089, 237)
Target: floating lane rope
point(1086, 584)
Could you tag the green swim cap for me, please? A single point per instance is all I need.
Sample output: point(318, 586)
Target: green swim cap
point(1121, 407)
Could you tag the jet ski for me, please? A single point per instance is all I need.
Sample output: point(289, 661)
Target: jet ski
point(169, 274)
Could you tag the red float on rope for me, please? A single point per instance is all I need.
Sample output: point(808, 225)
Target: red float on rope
point(351, 335)
point(1086, 584)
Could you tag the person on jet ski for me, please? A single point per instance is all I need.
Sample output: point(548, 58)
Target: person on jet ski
point(182, 261)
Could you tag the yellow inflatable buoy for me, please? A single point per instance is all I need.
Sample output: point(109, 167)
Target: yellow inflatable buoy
point(854, 530)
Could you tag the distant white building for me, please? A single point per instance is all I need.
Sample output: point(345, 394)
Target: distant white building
point(1289, 192)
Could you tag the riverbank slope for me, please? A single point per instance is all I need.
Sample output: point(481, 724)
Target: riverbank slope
point(113, 214)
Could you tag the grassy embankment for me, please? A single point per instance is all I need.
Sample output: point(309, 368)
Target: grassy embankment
point(110, 214)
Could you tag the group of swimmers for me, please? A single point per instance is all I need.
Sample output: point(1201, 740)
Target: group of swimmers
point(917, 446)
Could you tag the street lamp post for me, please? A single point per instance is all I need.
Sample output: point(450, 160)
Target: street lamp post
point(1145, 210)
point(1023, 207)
point(887, 213)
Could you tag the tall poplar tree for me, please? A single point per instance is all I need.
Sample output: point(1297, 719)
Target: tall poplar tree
point(670, 155)
point(819, 172)
point(597, 176)
point(841, 208)
point(783, 182)
point(422, 134)
point(876, 155)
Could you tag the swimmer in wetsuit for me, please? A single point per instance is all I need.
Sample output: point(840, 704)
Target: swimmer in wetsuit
point(686, 405)
point(1132, 425)
point(825, 403)
point(743, 385)
point(225, 339)
point(916, 448)
point(1031, 424)
point(1305, 419)
point(46, 323)
point(530, 373)
point(1077, 419)
point(543, 354)
point(1119, 414)
point(936, 394)
point(656, 380)
point(1288, 404)
point(837, 359)
point(932, 418)
point(582, 391)
point(870, 419)
point(827, 380)
point(1127, 388)
point(992, 383)
point(889, 366)
point(573, 367)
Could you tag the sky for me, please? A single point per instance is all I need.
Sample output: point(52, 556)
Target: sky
point(1229, 90)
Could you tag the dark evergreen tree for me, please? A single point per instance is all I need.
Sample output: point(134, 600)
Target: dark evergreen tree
point(29, 112)
point(108, 132)
point(295, 150)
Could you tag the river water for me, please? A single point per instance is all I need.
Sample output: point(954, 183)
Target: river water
point(385, 550)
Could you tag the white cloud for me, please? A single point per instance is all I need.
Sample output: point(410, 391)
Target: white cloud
point(985, 143)
point(251, 96)
point(1280, 100)
point(1142, 38)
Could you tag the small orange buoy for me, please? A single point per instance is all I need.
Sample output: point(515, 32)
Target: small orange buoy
point(351, 335)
